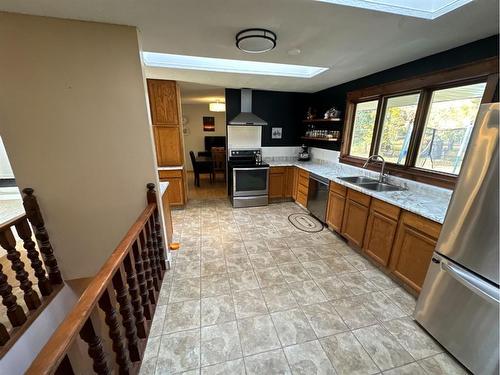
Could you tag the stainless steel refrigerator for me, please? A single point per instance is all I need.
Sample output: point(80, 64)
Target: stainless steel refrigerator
point(459, 302)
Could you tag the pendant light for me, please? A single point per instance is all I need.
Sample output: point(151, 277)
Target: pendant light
point(217, 107)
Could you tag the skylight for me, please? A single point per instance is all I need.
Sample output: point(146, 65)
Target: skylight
point(165, 60)
point(428, 9)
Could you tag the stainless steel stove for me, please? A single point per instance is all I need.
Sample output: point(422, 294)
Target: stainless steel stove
point(249, 178)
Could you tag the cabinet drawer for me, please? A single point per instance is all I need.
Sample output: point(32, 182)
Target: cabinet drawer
point(385, 209)
point(302, 198)
point(303, 189)
point(358, 197)
point(303, 180)
point(277, 170)
point(337, 188)
point(304, 174)
point(170, 174)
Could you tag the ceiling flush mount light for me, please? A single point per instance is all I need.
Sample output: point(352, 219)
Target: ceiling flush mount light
point(165, 60)
point(255, 40)
point(428, 9)
point(217, 107)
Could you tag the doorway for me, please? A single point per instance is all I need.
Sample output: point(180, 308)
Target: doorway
point(204, 128)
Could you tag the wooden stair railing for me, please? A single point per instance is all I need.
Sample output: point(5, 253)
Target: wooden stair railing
point(129, 282)
point(47, 285)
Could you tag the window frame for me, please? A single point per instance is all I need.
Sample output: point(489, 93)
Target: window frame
point(483, 71)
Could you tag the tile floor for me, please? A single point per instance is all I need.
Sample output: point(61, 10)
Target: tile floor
point(248, 293)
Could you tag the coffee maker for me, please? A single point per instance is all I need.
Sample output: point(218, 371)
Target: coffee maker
point(304, 153)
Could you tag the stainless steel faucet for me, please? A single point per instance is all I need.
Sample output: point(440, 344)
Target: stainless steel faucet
point(382, 160)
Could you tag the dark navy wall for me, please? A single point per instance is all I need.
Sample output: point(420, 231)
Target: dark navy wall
point(287, 109)
point(467, 53)
point(278, 108)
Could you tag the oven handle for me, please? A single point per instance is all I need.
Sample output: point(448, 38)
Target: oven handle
point(250, 169)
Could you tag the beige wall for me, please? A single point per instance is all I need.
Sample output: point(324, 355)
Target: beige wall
point(194, 140)
point(75, 123)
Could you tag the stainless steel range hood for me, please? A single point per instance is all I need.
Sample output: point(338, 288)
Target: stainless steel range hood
point(246, 117)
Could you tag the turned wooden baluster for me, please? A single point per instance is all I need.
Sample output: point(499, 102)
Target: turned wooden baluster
point(8, 242)
point(35, 217)
point(24, 231)
point(135, 296)
point(147, 268)
point(96, 351)
point(4, 335)
point(122, 358)
point(141, 279)
point(127, 316)
point(65, 367)
point(151, 256)
point(156, 251)
point(151, 195)
point(15, 313)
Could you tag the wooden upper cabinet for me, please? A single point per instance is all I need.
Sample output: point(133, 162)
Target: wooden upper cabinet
point(415, 242)
point(355, 216)
point(164, 102)
point(168, 144)
point(381, 231)
point(336, 203)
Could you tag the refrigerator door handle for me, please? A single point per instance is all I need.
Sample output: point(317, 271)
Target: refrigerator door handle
point(473, 283)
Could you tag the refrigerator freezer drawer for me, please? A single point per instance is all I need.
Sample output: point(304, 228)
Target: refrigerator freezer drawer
point(461, 312)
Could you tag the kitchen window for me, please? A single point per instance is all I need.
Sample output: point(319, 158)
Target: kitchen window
point(420, 126)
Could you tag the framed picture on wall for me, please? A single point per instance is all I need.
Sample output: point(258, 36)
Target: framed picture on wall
point(208, 124)
point(276, 133)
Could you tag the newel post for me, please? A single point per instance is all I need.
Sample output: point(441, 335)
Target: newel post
point(151, 195)
point(34, 215)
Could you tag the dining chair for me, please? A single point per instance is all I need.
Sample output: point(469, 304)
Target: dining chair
point(200, 168)
point(218, 161)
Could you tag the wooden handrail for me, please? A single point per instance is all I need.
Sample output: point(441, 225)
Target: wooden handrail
point(56, 348)
point(128, 282)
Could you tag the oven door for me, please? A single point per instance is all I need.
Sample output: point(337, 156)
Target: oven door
point(250, 181)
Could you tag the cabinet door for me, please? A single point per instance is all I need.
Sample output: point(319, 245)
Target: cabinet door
point(354, 222)
point(379, 237)
point(168, 146)
point(289, 182)
point(167, 215)
point(276, 185)
point(164, 102)
point(295, 183)
point(415, 242)
point(175, 191)
point(335, 211)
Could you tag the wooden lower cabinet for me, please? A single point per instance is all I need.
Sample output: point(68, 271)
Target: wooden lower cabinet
point(336, 205)
point(168, 146)
point(415, 242)
point(167, 215)
point(289, 180)
point(380, 231)
point(295, 182)
point(175, 191)
point(277, 179)
point(302, 187)
point(355, 216)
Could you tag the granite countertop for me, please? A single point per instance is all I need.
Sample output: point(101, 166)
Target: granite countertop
point(425, 200)
point(163, 187)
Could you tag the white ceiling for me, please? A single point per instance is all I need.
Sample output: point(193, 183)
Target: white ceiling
point(195, 93)
point(354, 42)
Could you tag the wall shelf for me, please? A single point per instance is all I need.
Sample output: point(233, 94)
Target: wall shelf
point(322, 121)
point(321, 139)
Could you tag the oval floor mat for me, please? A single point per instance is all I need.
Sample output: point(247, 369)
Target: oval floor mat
point(305, 222)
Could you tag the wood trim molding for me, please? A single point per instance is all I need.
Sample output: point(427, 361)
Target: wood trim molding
point(473, 70)
point(480, 71)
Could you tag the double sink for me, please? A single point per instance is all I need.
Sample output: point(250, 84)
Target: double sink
point(371, 183)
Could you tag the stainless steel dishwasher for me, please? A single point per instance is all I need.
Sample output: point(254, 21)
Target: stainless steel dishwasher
point(318, 196)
